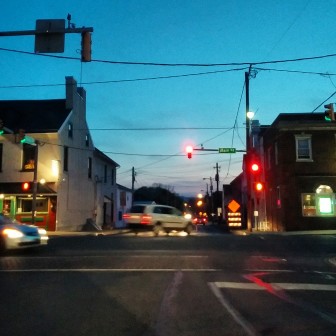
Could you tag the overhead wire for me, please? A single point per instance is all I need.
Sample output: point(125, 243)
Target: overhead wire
point(176, 64)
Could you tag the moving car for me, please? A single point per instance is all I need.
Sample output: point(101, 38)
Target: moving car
point(200, 220)
point(15, 235)
point(156, 218)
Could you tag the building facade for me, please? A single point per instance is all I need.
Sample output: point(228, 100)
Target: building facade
point(69, 180)
point(299, 159)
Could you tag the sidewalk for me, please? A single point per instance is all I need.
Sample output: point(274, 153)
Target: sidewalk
point(88, 233)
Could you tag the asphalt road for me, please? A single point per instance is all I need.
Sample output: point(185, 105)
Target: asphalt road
point(209, 283)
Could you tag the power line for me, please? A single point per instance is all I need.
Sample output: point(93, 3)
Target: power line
point(250, 63)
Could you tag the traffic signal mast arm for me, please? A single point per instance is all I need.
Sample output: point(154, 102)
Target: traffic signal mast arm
point(216, 150)
point(56, 31)
point(189, 150)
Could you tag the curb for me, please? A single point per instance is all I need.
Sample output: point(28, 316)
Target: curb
point(87, 233)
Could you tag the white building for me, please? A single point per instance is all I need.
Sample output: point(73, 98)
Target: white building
point(75, 182)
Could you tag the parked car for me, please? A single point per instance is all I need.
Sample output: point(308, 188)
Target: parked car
point(15, 235)
point(156, 218)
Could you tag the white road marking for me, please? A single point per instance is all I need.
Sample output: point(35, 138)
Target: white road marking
point(247, 327)
point(287, 286)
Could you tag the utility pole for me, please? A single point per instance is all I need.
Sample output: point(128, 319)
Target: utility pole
point(217, 191)
point(248, 201)
point(133, 181)
point(247, 95)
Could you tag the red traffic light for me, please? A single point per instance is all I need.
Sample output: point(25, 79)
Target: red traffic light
point(25, 186)
point(255, 167)
point(189, 151)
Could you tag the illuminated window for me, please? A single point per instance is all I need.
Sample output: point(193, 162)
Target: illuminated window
point(319, 204)
point(28, 157)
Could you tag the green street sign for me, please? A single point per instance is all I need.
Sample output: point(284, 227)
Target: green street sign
point(226, 150)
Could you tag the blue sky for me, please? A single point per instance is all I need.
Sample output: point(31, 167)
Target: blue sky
point(146, 123)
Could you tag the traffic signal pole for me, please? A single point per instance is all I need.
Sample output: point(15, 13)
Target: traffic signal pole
point(49, 36)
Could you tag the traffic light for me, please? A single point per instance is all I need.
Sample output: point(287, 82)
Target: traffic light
point(2, 131)
point(189, 150)
point(254, 165)
point(25, 139)
point(329, 112)
point(86, 47)
point(255, 172)
point(258, 187)
point(25, 186)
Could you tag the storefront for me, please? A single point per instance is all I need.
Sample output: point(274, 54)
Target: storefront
point(18, 204)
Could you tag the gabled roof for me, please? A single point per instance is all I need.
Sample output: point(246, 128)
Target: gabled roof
point(34, 116)
point(104, 157)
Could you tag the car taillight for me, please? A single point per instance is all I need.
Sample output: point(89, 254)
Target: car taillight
point(125, 216)
point(146, 219)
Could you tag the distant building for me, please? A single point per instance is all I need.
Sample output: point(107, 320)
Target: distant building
point(75, 181)
point(299, 170)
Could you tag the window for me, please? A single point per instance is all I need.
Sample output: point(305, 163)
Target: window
point(319, 204)
point(112, 176)
point(87, 140)
point(65, 158)
point(276, 153)
point(105, 173)
point(303, 148)
point(28, 157)
point(89, 167)
point(24, 204)
point(308, 205)
point(70, 130)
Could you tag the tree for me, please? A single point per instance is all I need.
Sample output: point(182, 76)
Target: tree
point(159, 195)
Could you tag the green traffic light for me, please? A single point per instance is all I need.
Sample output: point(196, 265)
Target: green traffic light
point(28, 140)
point(2, 132)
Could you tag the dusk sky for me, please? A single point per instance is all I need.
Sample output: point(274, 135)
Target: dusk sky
point(143, 115)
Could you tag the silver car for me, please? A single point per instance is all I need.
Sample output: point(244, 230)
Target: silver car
point(156, 218)
point(15, 235)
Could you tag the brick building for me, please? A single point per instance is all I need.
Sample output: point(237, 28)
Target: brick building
point(299, 166)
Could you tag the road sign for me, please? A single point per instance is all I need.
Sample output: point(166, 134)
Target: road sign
point(47, 38)
point(226, 150)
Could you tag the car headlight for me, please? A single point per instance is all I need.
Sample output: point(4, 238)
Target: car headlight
point(42, 231)
point(12, 233)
